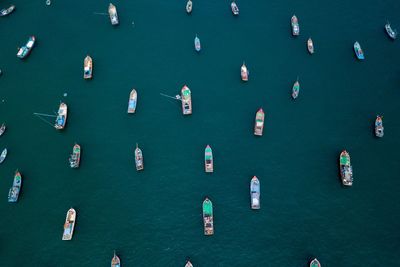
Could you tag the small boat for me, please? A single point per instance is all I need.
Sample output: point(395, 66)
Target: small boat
point(16, 188)
point(26, 49)
point(358, 51)
point(346, 170)
point(392, 33)
point(296, 89)
point(189, 6)
point(75, 157)
point(208, 218)
point(310, 46)
point(379, 126)
point(259, 122)
point(61, 119)
point(112, 11)
point(188, 264)
point(87, 67)
point(208, 159)
point(2, 129)
point(255, 193)
point(132, 101)
point(295, 26)
point(235, 9)
point(69, 224)
point(115, 262)
point(197, 44)
point(48, 2)
point(244, 73)
point(6, 11)
point(138, 158)
point(3, 155)
point(315, 263)
point(186, 98)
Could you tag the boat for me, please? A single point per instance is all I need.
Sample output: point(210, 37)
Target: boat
point(346, 170)
point(16, 188)
point(379, 126)
point(112, 11)
point(61, 119)
point(259, 122)
point(255, 193)
point(296, 89)
point(315, 263)
point(295, 26)
point(208, 159)
point(69, 224)
point(48, 2)
point(6, 11)
point(26, 49)
point(115, 261)
point(3, 155)
point(391, 32)
point(188, 264)
point(138, 158)
point(132, 101)
point(197, 44)
point(310, 46)
point(358, 51)
point(235, 9)
point(186, 98)
point(208, 218)
point(87, 67)
point(2, 129)
point(189, 6)
point(75, 157)
point(244, 73)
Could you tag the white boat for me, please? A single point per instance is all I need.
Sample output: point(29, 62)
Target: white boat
point(3, 155)
point(255, 193)
point(112, 11)
point(69, 224)
point(189, 6)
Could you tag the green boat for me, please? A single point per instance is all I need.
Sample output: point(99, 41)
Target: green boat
point(208, 218)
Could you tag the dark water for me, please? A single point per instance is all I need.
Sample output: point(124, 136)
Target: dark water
point(153, 218)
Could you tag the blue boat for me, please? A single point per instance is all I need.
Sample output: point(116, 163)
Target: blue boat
point(16, 188)
point(26, 49)
point(358, 51)
point(61, 119)
point(197, 44)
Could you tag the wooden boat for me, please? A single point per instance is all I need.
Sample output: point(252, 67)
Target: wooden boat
point(132, 101)
point(259, 122)
point(69, 224)
point(87, 67)
point(75, 157)
point(359, 52)
point(310, 46)
point(346, 170)
point(315, 263)
point(112, 11)
point(235, 9)
point(13, 194)
point(208, 218)
point(138, 158)
point(295, 26)
point(188, 264)
point(115, 261)
point(208, 159)
point(24, 51)
point(296, 89)
point(189, 6)
point(391, 32)
point(197, 44)
point(255, 193)
point(379, 126)
point(186, 98)
point(244, 73)
point(2, 129)
point(6, 11)
point(3, 155)
point(61, 119)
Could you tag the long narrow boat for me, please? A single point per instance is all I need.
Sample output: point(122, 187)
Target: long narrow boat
point(69, 224)
point(186, 98)
point(115, 261)
point(235, 9)
point(346, 170)
point(359, 52)
point(6, 11)
point(189, 6)
point(26, 49)
point(310, 46)
point(112, 11)
point(295, 26)
point(197, 44)
point(87, 67)
point(244, 73)
point(13, 194)
point(391, 32)
point(208, 218)
point(2, 129)
point(75, 157)
point(3, 155)
point(259, 122)
point(132, 101)
point(61, 119)
point(208, 159)
point(138, 158)
point(379, 126)
point(296, 89)
point(315, 263)
point(188, 264)
point(255, 193)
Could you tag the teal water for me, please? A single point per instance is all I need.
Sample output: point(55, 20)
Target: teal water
point(153, 218)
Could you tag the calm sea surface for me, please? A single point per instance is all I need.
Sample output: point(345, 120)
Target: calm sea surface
point(153, 218)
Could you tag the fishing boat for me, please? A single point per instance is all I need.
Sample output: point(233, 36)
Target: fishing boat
point(315, 263)
point(6, 11)
point(61, 119)
point(255, 193)
point(188, 264)
point(138, 158)
point(189, 6)
point(296, 89)
point(244, 73)
point(379, 126)
point(259, 122)
point(346, 170)
point(208, 218)
point(112, 11)
point(3, 155)
point(310, 46)
point(235, 9)
point(358, 51)
point(186, 98)
point(208, 159)
point(69, 224)
point(87, 67)
point(391, 32)
point(2, 129)
point(16, 188)
point(115, 261)
point(197, 44)
point(295, 26)
point(26, 49)
point(75, 157)
point(132, 101)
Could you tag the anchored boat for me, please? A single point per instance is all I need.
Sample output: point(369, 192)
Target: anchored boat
point(132, 101)
point(391, 32)
point(310, 46)
point(3, 155)
point(208, 218)
point(13, 194)
point(346, 170)
point(115, 261)
point(138, 158)
point(259, 122)
point(189, 6)
point(188, 264)
point(296, 89)
point(315, 263)
point(358, 51)
point(244, 73)
point(112, 11)
point(87, 67)
point(26, 49)
point(61, 119)
point(69, 224)
point(208, 159)
point(197, 44)
point(186, 98)
point(255, 193)
point(295, 26)
point(6, 11)
point(379, 126)
point(235, 9)
point(2, 129)
point(75, 157)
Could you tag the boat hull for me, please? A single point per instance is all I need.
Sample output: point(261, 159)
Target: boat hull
point(189, 6)
point(259, 123)
point(139, 159)
point(310, 46)
point(112, 11)
point(3, 155)
point(69, 224)
point(345, 168)
point(87, 68)
point(15, 190)
point(208, 218)
point(255, 193)
point(208, 159)
point(358, 51)
point(186, 98)
point(295, 26)
point(61, 119)
point(132, 102)
point(7, 11)
point(25, 50)
point(75, 157)
point(235, 9)
point(379, 129)
point(295, 90)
